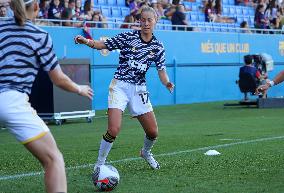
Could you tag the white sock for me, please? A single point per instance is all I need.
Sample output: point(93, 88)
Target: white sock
point(105, 148)
point(148, 144)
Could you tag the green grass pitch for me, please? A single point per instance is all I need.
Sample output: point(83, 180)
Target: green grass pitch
point(250, 140)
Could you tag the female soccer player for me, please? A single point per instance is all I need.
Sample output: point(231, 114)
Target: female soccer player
point(24, 48)
point(138, 49)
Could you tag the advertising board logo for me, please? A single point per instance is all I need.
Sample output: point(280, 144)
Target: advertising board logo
point(281, 48)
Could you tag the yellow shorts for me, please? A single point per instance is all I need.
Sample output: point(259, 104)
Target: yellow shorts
point(20, 118)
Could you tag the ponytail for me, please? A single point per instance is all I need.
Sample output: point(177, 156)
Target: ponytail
point(19, 8)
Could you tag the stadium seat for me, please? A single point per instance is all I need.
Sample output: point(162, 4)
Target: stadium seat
point(245, 11)
point(240, 19)
point(118, 22)
point(201, 25)
point(168, 24)
point(201, 17)
point(193, 17)
point(187, 5)
point(232, 10)
point(194, 7)
point(159, 26)
point(120, 2)
point(115, 12)
point(239, 11)
point(101, 2)
point(251, 20)
point(111, 2)
point(251, 11)
point(208, 26)
point(225, 2)
point(97, 8)
point(225, 11)
point(106, 11)
point(125, 11)
point(231, 27)
point(231, 2)
point(111, 22)
point(224, 27)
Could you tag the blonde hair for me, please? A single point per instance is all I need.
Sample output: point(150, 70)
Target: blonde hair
point(19, 7)
point(149, 9)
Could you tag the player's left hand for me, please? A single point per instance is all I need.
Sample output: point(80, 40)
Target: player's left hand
point(170, 86)
point(85, 90)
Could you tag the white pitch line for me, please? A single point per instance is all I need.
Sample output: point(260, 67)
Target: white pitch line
point(12, 177)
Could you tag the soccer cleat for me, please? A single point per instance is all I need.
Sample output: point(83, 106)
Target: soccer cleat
point(150, 160)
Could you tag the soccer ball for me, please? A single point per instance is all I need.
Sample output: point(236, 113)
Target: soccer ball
point(106, 177)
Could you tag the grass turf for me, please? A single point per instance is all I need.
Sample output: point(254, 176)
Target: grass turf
point(244, 167)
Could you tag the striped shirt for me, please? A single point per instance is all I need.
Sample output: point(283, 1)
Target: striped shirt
point(23, 50)
point(136, 56)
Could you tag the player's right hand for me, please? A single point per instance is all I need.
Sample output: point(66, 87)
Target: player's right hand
point(80, 39)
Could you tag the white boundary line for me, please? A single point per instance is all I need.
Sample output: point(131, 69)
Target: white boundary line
point(17, 176)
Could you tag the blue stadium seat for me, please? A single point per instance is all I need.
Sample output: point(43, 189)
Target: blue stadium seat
point(225, 2)
point(187, 5)
point(239, 11)
point(231, 2)
point(120, 2)
point(193, 17)
point(225, 11)
point(201, 25)
point(111, 2)
point(118, 21)
point(125, 11)
point(101, 2)
point(198, 1)
point(216, 27)
point(194, 7)
point(245, 11)
point(111, 22)
point(193, 24)
point(240, 19)
point(251, 11)
point(159, 26)
point(232, 10)
point(168, 23)
point(106, 11)
point(231, 27)
point(97, 8)
point(224, 27)
point(201, 17)
point(115, 12)
point(208, 27)
point(251, 20)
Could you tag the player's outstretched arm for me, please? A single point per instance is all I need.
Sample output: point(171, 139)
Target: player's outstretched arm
point(165, 80)
point(278, 79)
point(64, 82)
point(91, 43)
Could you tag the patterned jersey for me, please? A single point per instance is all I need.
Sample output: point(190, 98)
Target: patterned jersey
point(23, 50)
point(136, 56)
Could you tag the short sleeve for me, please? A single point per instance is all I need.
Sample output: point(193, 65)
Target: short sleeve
point(160, 59)
point(117, 42)
point(47, 58)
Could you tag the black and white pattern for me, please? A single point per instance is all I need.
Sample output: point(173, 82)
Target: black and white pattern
point(136, 56)
point(23, 50)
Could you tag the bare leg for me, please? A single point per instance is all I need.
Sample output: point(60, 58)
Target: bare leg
point(46, 151)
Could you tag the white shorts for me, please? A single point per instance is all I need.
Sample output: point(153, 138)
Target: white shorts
point(20, 118)
point(136, 97)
